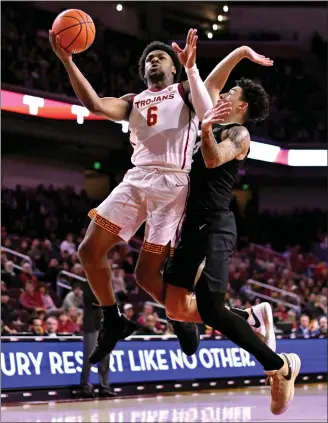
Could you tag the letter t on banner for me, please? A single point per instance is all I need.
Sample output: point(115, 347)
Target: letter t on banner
point(80, 112)
point(34, 103)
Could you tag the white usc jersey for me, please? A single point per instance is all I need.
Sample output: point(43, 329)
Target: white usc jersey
point(163, 129)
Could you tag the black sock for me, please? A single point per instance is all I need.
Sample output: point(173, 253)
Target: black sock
point(216, 315)
point(111, 313)
point(241, 313)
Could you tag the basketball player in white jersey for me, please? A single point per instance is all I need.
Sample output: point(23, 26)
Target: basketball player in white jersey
point(164, 128)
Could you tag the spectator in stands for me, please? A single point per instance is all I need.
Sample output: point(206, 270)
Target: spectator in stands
point(281, 313)
point(5, 331)
point(74, 298)
point(68, 245)
point(36, 327)
point(52, 273)
point(9, 276)
point(30, 298)
point(7, 312)
point(27, 275)
point(129, 313)
point(148, 309)
point(51, 327)
point(148, 327)
point(292, 319)
point(304, 327)
point(322, 303)
point(312, 307)
point(35, 251)
point(48, 303)
point(76, 315)
point(78, 270)
point(65, 324)
point(323, 327)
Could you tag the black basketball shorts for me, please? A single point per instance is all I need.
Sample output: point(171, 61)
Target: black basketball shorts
point(202, 238)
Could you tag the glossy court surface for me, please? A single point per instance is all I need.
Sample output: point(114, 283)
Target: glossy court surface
point(239, 405)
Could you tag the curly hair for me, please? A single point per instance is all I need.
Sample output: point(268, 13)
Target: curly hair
point(256, 97)
point(158, 45)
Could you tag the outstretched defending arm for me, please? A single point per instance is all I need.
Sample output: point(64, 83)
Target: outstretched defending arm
point(115, 109)
point(217, 79)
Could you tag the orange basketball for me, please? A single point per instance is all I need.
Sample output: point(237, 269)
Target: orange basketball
point(76, 30)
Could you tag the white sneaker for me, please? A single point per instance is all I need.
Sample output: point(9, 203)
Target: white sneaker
point(282, 383)
point(261, 320)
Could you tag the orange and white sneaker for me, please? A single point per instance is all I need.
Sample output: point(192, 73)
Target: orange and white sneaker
point(282, 383)
point(261, 320)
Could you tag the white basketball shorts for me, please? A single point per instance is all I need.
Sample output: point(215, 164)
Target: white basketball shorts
point(155, 195)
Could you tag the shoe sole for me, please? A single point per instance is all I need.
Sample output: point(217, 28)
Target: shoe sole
point(295, 362)
point(129, 331)
point(267, 317)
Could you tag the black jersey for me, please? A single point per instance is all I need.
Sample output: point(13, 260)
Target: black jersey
point(210, 189)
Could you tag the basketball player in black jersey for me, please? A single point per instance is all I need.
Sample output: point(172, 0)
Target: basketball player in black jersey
point(209, 232)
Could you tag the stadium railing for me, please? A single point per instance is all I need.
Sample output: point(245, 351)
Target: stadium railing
point(15, 253)
point(283, 292)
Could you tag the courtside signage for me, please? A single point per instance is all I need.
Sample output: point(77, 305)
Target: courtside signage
point(48, 364)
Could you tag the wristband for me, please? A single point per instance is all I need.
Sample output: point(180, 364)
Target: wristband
point(192, 71)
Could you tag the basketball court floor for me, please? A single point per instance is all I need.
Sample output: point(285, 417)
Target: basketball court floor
point(239, 405)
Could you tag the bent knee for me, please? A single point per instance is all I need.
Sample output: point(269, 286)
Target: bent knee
point(85, 252)
point(88, 251)
point(176, 306)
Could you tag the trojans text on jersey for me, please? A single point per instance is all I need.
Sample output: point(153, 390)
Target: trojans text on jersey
point(156, 99)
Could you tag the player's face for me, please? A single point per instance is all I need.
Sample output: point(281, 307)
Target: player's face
point(158, 66)
point(234, 96)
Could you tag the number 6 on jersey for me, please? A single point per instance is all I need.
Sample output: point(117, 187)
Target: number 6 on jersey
point(152, 116)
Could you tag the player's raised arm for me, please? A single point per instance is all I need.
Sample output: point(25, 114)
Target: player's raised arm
point(112, 108)
point(235, 144)
point(199, 97)
point(217, 79)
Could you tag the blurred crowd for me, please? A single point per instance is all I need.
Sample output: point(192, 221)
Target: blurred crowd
point(296, 87)
point(42, 287)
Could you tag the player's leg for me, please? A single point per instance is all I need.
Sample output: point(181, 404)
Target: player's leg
point(116, 219)
point(149, 269)
point(182, 270)
point(259, 317)
point(166, 201)
point(210, 293)
point(93, 255)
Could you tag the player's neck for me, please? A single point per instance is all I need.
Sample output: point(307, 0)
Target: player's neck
point(159, 85)
point(233, 119)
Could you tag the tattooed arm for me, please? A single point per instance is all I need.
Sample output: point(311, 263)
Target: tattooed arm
point(235, 144)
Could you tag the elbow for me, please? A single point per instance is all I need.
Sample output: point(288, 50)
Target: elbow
point(210, 164)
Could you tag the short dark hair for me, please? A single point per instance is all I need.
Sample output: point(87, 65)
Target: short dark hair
point(256, 97)
point(158, 45)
